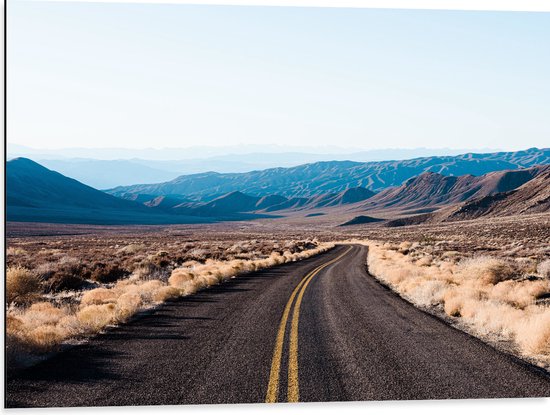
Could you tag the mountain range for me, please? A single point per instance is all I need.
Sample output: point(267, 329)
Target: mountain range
point(333, 176)
point(435, 189)
point(108, 168)
point(35, 193)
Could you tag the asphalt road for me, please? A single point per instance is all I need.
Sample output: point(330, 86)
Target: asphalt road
point(317, 330)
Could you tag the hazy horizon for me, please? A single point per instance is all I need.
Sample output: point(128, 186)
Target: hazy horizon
point(294, 154)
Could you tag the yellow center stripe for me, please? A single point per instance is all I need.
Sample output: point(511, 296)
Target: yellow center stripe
point(293, 388)
point(273, 386)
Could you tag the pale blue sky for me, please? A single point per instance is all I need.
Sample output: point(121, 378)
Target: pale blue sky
point(142, 75)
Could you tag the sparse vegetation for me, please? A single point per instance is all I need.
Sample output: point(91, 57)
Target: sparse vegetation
point(498, 298)
point(55, 296)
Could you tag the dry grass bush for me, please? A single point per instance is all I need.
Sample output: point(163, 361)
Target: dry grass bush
point(492, 295)
point(21, 285)
point(543, 268)
point(15, 251)
point(488, 270)
point(43, 325)
point(132, 249)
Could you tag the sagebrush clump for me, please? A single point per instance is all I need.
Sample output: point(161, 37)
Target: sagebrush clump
point(21, 285)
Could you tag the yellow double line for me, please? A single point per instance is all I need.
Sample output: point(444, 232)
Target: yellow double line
point(293, 393)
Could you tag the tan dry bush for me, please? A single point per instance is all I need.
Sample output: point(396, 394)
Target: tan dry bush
point(13, 324)
point(42, 314)
point(127, 305)
point(70, 326)
point(404, 247)
point(44, 338)
point(132, 249)
point(534, 335)
point(39, 327)
point(180, 276)
point(143, 289)
point(15, 251)
point(425, 261)
point(99, 296)
point(543, 268)
point(488, 270)
point(166, 294)
point(450, 255)
point(21, 284)
point(520, 294)
point(96, 317)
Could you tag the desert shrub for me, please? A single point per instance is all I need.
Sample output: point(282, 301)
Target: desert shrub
point(166, 294)
point(132, 249)
point(198, 254)
point(45, 270)
point(127, 305)
point(99, 296)
point(106, 273)
point(161, 260)
point(21, 285)
point(425, 261)
point(488, 270)
point(534, 335)
point(15, 251)
point(543, 268)
point(42, 314)
point(63, 281)
point(180, 276)
point(44, 338)
point(146, 269)
point(95, 317)
point(69, 274)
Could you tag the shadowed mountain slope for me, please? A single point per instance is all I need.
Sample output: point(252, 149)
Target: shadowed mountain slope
point(32, 185)
point(361, 220)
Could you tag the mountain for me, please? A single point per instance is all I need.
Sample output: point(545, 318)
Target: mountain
point(335, 176)
point(31, 185)
point(108, 168)
point(37, 194)
point(240, 202)
point(232, 202)
point(361, 220)
point(432, 189)
point(531, 197)
point(346, 197)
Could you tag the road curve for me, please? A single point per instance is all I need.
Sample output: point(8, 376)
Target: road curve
point(321, 329)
